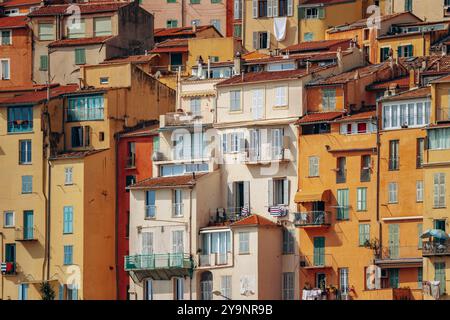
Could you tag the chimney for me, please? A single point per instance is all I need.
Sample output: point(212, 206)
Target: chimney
point(237, 63)
point(339, 60)
point(194, 27)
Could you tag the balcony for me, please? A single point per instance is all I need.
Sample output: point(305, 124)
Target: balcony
point(228, 215)
point(214, 260)
point(316, 261)
point(312, 219)
point(399, 256)
point(431, 248)
point(9, 268)
point(150, 211)
point(394, 164)
point(131, 162)
point(159, 266)
point(26, 234)
point(177, 210)
point(268, 155)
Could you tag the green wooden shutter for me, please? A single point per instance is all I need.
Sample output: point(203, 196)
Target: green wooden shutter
point(321, 12)
point(393, 278)
point(394, 241)
point(439, 275)
point(319, 251)
point(420, 231)
point(80, 56)
point(43, 66)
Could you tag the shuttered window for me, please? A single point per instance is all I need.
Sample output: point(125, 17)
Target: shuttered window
point(439, 190)
point(313, 166)
point(419, 191)
point(24, 151)
point(439, 275)
point(288, 241)
point(244, 242)
point(147, 243)
point(68, 220)
point(364, 233)
point(393, 192)
point(27, 184)
point(43, 63)
point(343, 204)
point(102, 26)
point(281, 94)
point(80, 56)
point(46, 31)
point(288, 285)
point(361, 194)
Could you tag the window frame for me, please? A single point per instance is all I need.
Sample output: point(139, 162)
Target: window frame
point(244, 242)
point(5, 213)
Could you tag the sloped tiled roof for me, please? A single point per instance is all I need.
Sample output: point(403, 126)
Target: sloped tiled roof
point(254, 220)
point(187, 180)
point(358, 116)
point(317, 117)
point(326, 2)
point(75, 154)
point(85, 8)
point(410, 94)
point(402, 82)
point(130, 59)
point(322, 45)
point(171, 45)
point(79, 42)
point(13, 22)
point(181, 31)
point(445, 79)
point(40, 96)
point(19, 3)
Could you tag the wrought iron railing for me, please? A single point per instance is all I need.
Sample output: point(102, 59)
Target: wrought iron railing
point(157, 261)
point(312, 218)
point(25, 234)
point(436, 248)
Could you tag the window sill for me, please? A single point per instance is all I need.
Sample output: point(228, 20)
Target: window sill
point(443, 207)
point(244, 253)
point(67, 233)
point(20, 132)
point(68, 184)
point(9, 227)
point(152, 218)
point(313, 176)
point(27, 193)
point(25, 163)
point(235, 111)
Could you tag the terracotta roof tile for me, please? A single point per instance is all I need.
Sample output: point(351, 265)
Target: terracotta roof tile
point(410, 94)
point(19, 3)
point(319, 117)
point(40, 96)
point(181, 31)
point(254, 220)
point(171, 45)
point(319, 45)
point(75, 154)
point(79, 42)
point(402, 82)
point(358, 116)
point(131, 59)
point(324, 2)
point(13, 22)
point(445, 79)
point(85, 8)
point(187, 180)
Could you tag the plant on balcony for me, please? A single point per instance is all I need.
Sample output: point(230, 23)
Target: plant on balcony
point(46, 290)
point(375, 245)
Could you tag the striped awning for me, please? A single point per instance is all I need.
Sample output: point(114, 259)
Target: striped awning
point(303, 196)
point(198, 94)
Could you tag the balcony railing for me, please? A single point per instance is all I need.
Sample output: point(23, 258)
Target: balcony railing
point(131, 162)
point(177, 209)
point(214, 259)
point(431, 248)
point(399, 253)
point(26, 234)
point(316, 261)
point(312, 219)
point(231, 214)
point(157, 261)
point(260, 155)
point(8, 268)
point(394, 164)
point(150, 211)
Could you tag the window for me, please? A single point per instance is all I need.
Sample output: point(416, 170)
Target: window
point(281, 96)
point(20, 119)
point(8, 221)
point(194, 1)
point(4, 69)
point(150, 204)
point(313, 166)
point(329, 99)
point(171, 23)
point(439, 190)
point(439, 275)
point(5, 37)
point(46, 31)
point(77, 137)
point(196, 106)
point(419, 277)
point(308, 36)
point(237, 30)
point(419, 234)
point(235, 100)
point(288, 241)
point(312, 13)
point(68, 220)
point(280, 193)
point(80, 56)
point(147, 243)
point(178, 288)
point(384, 54)
point(43, 63)
point(72, 292)
point(408, 5)
point(148, 289)
point(361, 196)
point(364, 234)
point(76, 30)
point(419, 191)
point(13, 12)
point(405, 51)
point(288, 286)
point(216, 24)
point(171, 1)
point(393, 278)
point(341, 171)
point(244, 243)
point(85, 108)
point(419, 152)
point(393, 192)
point(365, 168)
point(130, 180)
point(177, 202)
point(280, 67)
point(27, 184)
point(276, 140)
point(225, 286)
point(68, 255)
point(102, 27)
point(343, 281)
point(261, 40)
point(406, 115)
point(23, 291)
point(439, 224)
point(394, 160)
point(343, 204)
point(68, 176)
point(237, 9)
point(131, 157)
point(24, 151)
point(104, 80)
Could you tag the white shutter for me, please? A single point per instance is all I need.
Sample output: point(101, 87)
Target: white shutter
point(290, 7)
point(275, 8)
point(247, 193)
point(267, 46)
point(255, 9)
point(270, 192)
point(286, 184)
point(269, 7)
point(230, 197)
point(255, 40)
point(147, 243)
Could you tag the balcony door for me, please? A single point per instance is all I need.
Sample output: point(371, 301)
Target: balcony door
point(255, 145)
point(258, 104)
point(10, 252)
point(394, 239)
point(177, 248)
point(319, 251)
point(28, 218)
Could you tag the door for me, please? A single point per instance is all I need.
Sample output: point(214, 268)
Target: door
point(177, 248)
point(255, 152)
point(319, 251)
point(394, 236)
point(318, 208)
point(258, 103)
point(10, 252)
point(28, 225)
point(393, 278)
point(321, 281)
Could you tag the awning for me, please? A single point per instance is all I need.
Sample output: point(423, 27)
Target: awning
point(302, 196)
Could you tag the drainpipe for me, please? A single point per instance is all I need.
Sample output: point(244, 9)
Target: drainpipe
point(380, 233)
point(190, 238)
point(117, 218)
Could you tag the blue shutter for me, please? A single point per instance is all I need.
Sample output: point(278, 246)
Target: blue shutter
point(61, 292)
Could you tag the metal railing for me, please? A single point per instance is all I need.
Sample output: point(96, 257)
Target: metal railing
point(177, 209)
point(157, 261)
point(80, 114)
point(150, 211)
point(230, 214)
point(312, 218)
point(255, 155)
point(434, 248)
point(394, 164)
point(213, 259)
point(26, 234)
point(131, 161)
point(316, 261)
point(399, 252)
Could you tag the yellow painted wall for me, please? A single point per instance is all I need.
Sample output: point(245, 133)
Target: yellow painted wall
point(416, 40)
point(224, 48)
